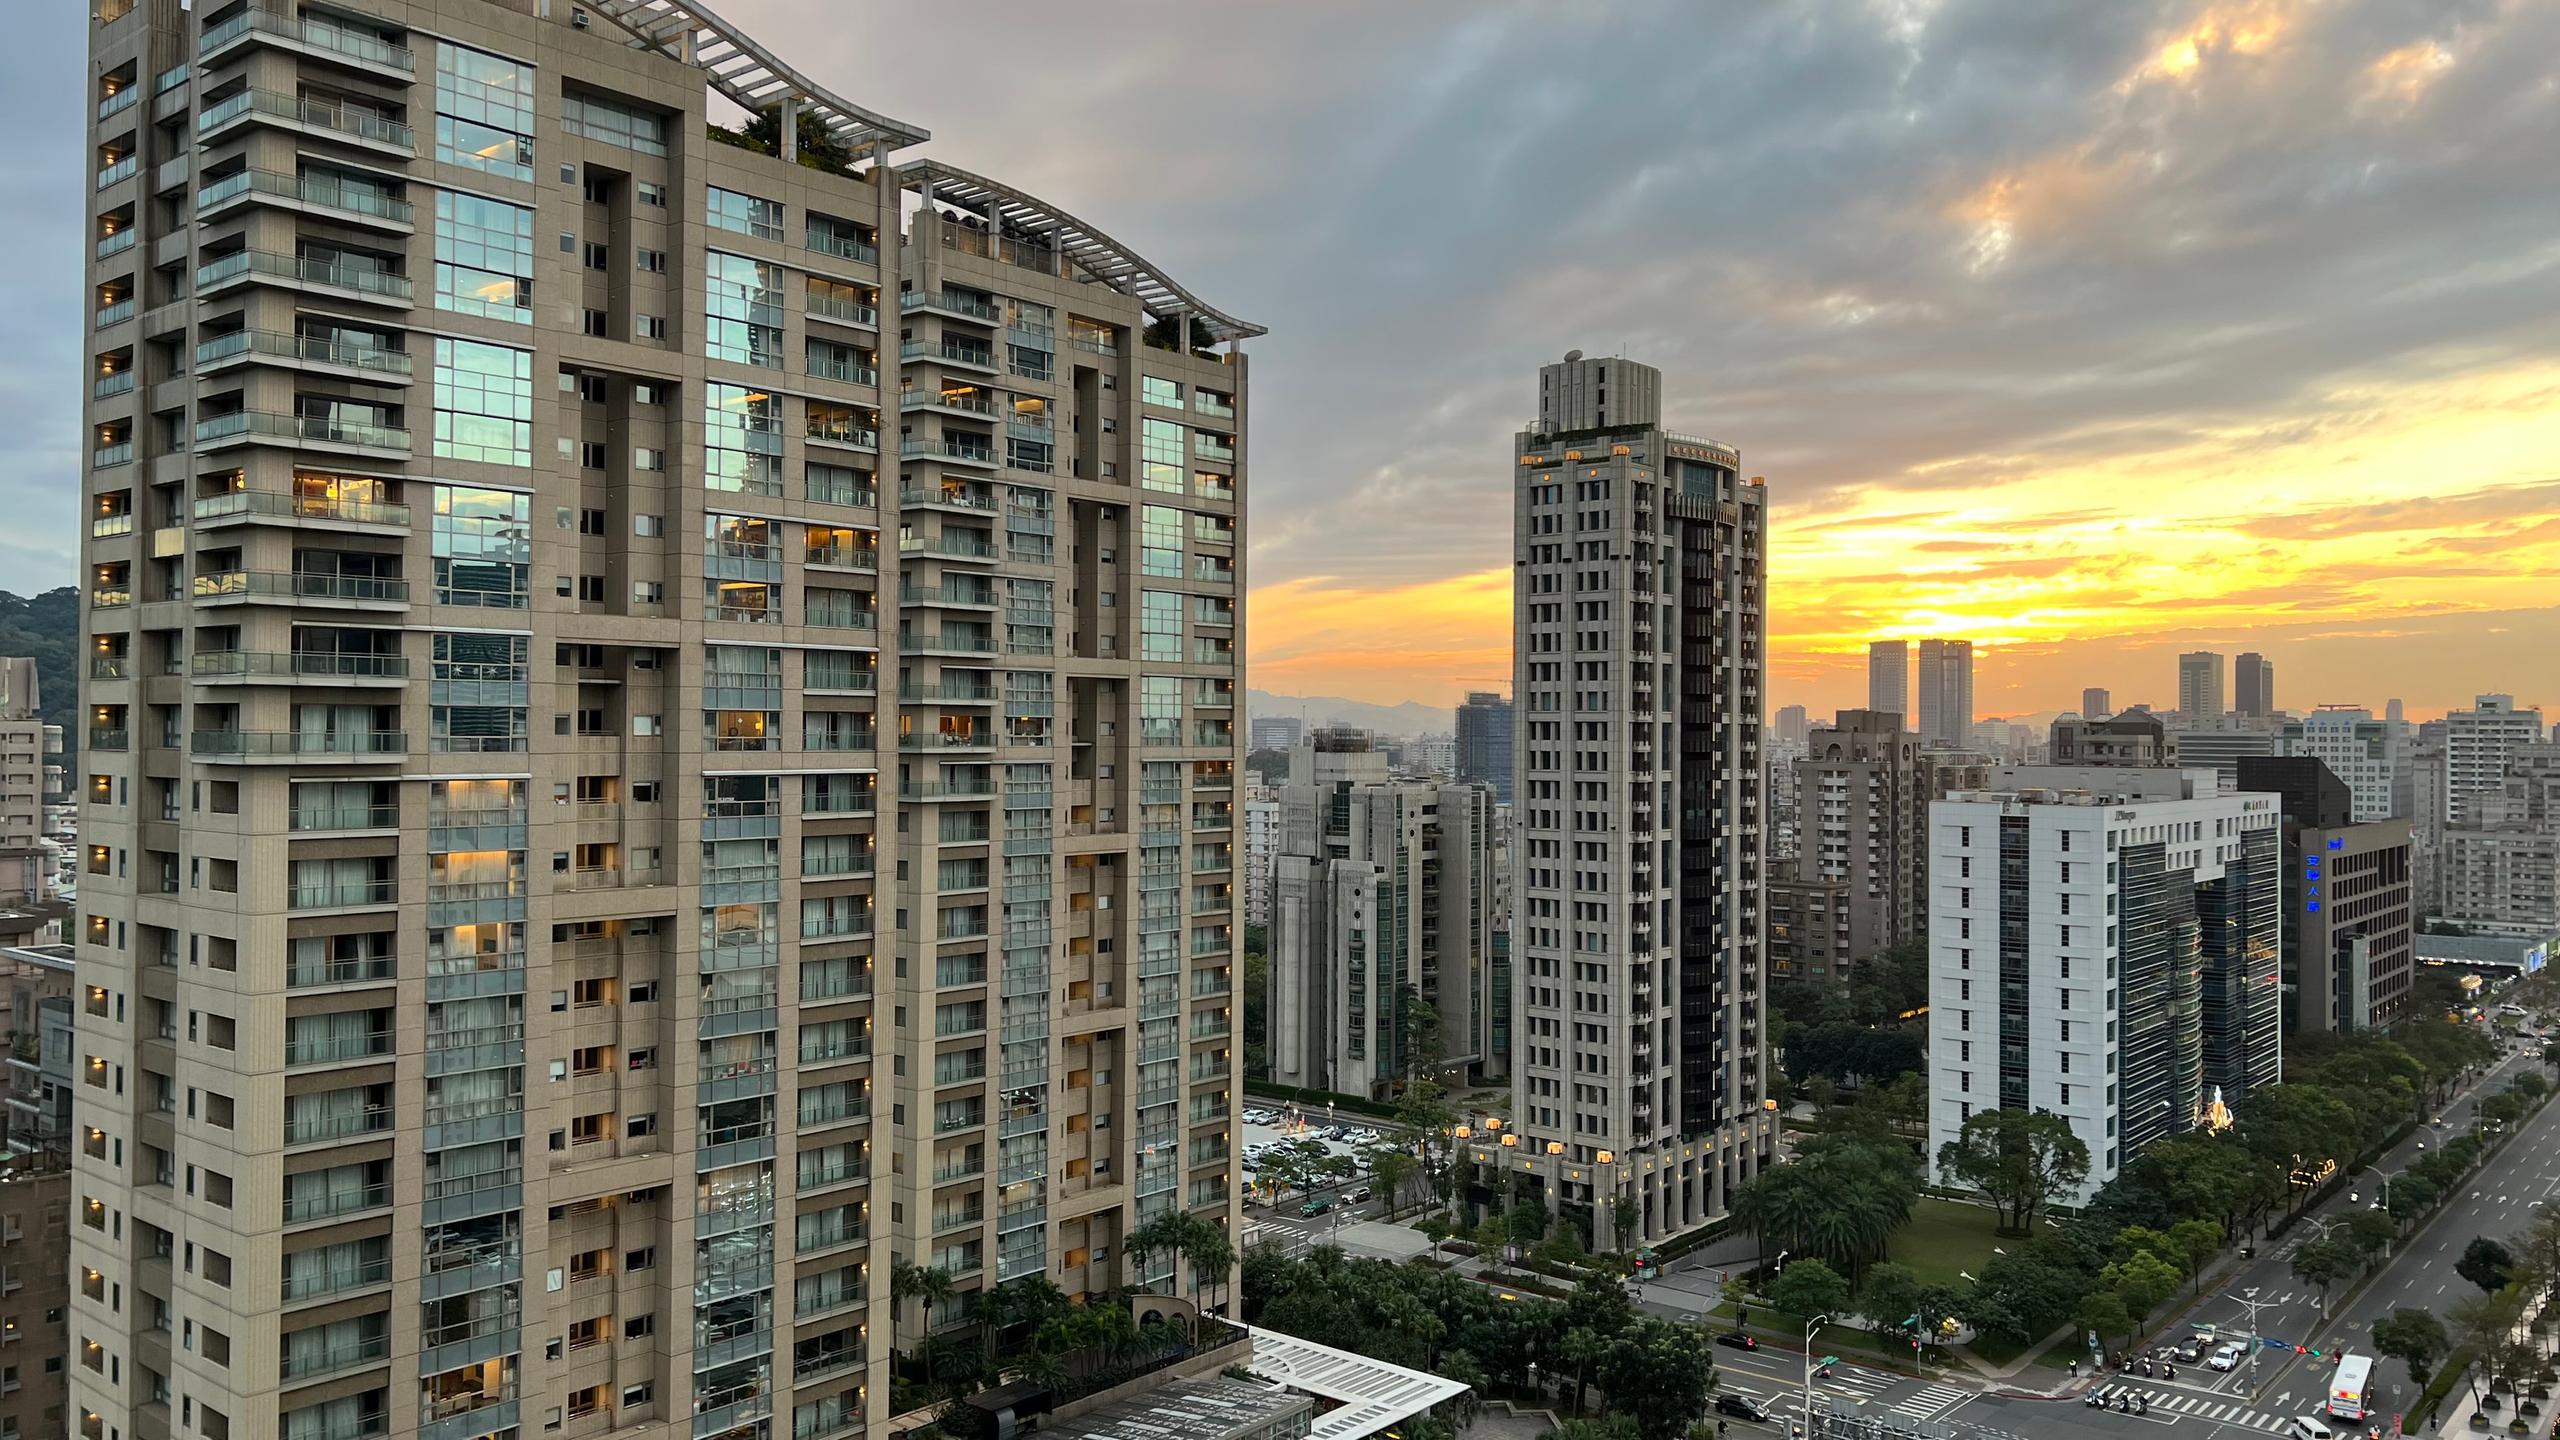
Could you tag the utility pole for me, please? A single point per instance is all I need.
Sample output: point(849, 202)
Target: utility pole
point(1812, 1330)
point(2249, 1298)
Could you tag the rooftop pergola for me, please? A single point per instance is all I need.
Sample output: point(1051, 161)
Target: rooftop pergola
point(752, 77)
point(1012, 212)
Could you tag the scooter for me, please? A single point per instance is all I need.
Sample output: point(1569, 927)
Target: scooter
point(2097, 1400)
point(2141, 1404)
point(2147, 1370)
point(2171, 1372)
point(2124, 1404)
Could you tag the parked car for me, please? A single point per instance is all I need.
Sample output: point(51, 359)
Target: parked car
point(1747, 1407)
point(1737, 1340)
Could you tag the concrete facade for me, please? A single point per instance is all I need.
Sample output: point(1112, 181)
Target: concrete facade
point(2096, 704)
point(1277, 732)
point(614, 842)
point(2477, 743)
point(35, 1190)
point(1261, 848)
point(2103, 944)
point(2253, 685)
point(2363, 752)
point(1382, 888)
point(1810, 937)
point(2347, 900)
point(1485, 743)
point(1637, 939)
point(1944, 681)
point(2501, 868)
point(1889, 678)
point(2201, 693)
point(1862, 807)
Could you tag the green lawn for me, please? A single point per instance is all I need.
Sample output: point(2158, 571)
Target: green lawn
point(1944, 1238)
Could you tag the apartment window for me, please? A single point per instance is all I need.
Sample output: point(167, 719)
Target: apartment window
point(742, 440)
point(745, 214)
point(482, 546)
point(599, 257)
point(1160, 454)
point(1155, 390)
point(484, 112)
point(484, 402)
point(1160, 625)
point(649, 327)
point(614, 123)
point(484, 257)
point(743, 309)
point(595, 323)
point(651, 193)
point(1160, 544)
point(653, 262)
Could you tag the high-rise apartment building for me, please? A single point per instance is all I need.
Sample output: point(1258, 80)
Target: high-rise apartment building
point(1261, 848)
point(1638, 1063)
point(2501, 862)
point(1945, 681)
point(2253, 685)
point(2135, 739)
point(2103, 944)
point(2477, 745)
point(2362, 752)
point(2200, 686)
point(1383, 901)
point(1862, 816)
point(2220, 745)
point(1277, 732)
point(615, 849)
point(1485, 742)
point(30, 775)
point(36, 983)
point(2348, 960)
point(1889, 678)
point(2096, 704)
point(1792, 725)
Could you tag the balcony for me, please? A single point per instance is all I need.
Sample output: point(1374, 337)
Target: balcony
point(343, 281)
point(333, 1203)
point(928, 642)
point(973, 357)
point(948, 547)
point(315, 36)
point(316, 194)
point(119, 170)
point(295, 112)
point(302, 431)
point(951, 401)
point(848, 371)
point(338, 1049)
point(947, 303)
point(842, 432)
point(109, 386)
point(357, 745)
point(912, 448)
point(965, 501)
point(827, 307)
point(329, 1128)
point(844, 557)
point(109, 737)
point(312, 352)
point(299, 665)
point(327, 510)
point(299, 586)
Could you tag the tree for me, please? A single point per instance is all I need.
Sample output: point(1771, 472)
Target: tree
point(1605, 1427)
point(1658, 1375)
point(2414, 1337)
point(2022, 1299)
point(2485, 1263)
point(2370, 1232)
point(2103, 1313)
point(2019, 1159)
point(2411, 1194)
point(2322, 1263)
point(1890, 1292)
point(1492, 1233)
point(1809, 1288)
point(2198, 1241)
point(928, 1285)
point(2485, 1326)
point(1394, 1171)
point(1580, 1348)
point(1528, 1219)
point(2142, 1280)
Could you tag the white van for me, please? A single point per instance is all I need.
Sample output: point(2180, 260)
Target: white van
point(2307, 1428)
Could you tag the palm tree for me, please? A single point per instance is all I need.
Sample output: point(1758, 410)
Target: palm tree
point(1579, 1347)
point(930, 1284)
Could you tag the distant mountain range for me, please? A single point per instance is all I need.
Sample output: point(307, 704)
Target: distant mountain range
point(1406, 719)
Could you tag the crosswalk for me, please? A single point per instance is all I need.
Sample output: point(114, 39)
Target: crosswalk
point(1932, 1401)
point(2173, 1405)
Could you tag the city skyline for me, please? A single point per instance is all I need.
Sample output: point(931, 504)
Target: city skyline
point(1985, 249)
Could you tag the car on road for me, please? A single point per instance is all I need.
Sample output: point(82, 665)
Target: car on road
point(1737, 1340)
point(1359, 1195)
point(2192, 1349)
point(1319, 1207)
point(1747, 1407)
point(2226, 1356)
point(2307, 1428)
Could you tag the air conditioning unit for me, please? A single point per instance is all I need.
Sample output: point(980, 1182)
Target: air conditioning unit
point(577, 19)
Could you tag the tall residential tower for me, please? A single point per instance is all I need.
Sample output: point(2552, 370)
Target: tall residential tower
point(615, 848)
point(1637, 928)
point(1945, 681)
point(1484, 742)
point(1889, 678)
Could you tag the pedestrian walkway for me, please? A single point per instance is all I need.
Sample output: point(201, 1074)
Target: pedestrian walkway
point(2188, 1405)
point(1932, 1401)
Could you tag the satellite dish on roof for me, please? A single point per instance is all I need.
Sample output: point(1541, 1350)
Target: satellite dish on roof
point(1572, 355)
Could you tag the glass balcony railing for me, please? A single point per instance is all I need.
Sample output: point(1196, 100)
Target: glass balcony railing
point(322, 191)
point(319, 429)
point(316, 33)
point(303, 110)
point(299, 507)
point(299, 585)
point(316, 349)
point(273, 265)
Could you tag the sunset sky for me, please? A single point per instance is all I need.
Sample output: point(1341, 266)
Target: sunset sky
point(2092, 332)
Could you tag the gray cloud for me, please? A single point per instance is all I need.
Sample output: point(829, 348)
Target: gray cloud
point(1424, 200)
point(43, 110)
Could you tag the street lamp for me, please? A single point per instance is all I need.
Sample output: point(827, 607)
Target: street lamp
point(1812, 1328)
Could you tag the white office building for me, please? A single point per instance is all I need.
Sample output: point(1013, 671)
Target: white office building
point(2103, 944)
point(2477, 743)
point(2364, 752)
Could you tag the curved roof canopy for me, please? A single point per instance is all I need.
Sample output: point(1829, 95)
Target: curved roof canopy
point(1106, 259)
point(752, 76)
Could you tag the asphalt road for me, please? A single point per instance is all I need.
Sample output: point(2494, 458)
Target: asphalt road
point(2250, 1402)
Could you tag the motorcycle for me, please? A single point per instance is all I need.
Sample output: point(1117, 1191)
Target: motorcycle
point(2097, 1400)
point(2172, 1373)
point(2147, 1371)
point(2141, 1404)
point(2124, 1404)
